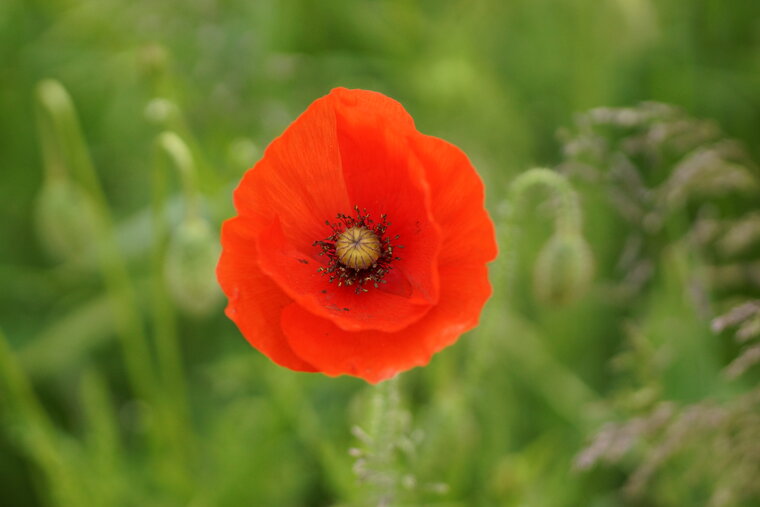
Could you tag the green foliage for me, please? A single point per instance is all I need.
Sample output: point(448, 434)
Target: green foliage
point(615, 364)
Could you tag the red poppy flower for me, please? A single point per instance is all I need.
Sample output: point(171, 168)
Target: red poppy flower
point(360, 245)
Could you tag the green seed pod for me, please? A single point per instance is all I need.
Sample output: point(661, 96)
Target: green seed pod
point(563, 270)
point(65, 219)
point(190, 265)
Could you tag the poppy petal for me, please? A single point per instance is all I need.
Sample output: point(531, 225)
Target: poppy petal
point(296, 273)
point(375, 355)
point(382, 173)
point(299, 179)
point(255, 302)
point(457, 197)
point(382, 176)
point(350, 149)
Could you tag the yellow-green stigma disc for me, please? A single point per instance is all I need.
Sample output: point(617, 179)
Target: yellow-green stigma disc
point(358, 248)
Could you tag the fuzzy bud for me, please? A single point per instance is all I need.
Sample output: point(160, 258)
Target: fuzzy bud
point(65, 218)
point(563, 270)
point(190, 264)
point(153, 59)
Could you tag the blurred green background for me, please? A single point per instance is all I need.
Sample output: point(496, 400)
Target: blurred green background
point(595, 377)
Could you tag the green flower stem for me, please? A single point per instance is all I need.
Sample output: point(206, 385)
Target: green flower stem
point(177, 122)
point(17, 391)
point(21, 407)
point(379, 469)
point(169, 148)
point(59, 121)
point(53, 158)
point(171, 153)
point(63, 137)
point(568, 216)
point(102, 440)
point(174, 150)
point(562, 389)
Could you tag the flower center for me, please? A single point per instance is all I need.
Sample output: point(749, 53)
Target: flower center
point(358, 251)
point(358, 248)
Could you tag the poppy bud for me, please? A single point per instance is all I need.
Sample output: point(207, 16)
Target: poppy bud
point(190, 264)
point(160, 111)
point(153, 59)
point(65, 218)
point(564, 269)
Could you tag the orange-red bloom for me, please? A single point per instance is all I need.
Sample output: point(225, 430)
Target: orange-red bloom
point(360, 245)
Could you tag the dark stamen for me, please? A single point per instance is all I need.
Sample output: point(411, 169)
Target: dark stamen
point(369, 246)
